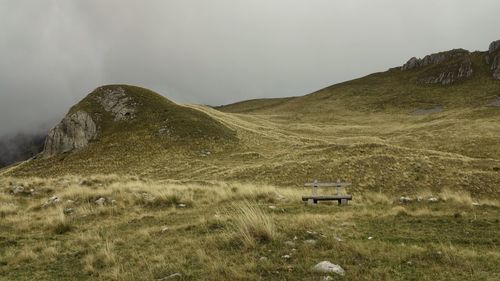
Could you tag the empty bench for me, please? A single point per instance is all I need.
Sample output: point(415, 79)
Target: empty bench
point(314, 198)
point(342, 199)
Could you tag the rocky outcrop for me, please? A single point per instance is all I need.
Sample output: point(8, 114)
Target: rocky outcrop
point(75, 131)
point(494, 58)
point(450, 67)
point(450, 74)
point(117, 103)
point(434, 59)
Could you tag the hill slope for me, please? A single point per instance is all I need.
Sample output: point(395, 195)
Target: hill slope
point(124, 128)
point(428, 125)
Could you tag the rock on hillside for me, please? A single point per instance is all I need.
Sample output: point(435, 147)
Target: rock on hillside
point(111, 111)
point(454, 65)
point(494, 58)
point(446, 68)
point(75, 131)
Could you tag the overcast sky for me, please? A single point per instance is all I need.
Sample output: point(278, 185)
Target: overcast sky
point(54, 52)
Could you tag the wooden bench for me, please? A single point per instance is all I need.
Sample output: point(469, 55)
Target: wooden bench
point(314, 198)
point(342, 199)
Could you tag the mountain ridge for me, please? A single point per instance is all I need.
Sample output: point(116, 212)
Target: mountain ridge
point(385, 131)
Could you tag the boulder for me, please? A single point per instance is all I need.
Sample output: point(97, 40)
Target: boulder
point(75, 131)
point(328, 267)
point(411, 64)
point(101, 201)
point(494, 46)
point(51, 201)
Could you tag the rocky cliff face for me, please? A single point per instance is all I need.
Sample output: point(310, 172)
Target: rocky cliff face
point(450, 74)
point(75, 131)
point(117, 102)
point(494, 58)
point(452, 66)
point(435, 59)
point(457, 65)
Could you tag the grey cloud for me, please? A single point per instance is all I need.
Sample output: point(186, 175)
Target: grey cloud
point(54, 52)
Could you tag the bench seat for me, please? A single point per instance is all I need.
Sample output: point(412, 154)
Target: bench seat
point(342, 199)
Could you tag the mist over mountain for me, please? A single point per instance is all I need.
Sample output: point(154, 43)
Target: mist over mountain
point(20, 146)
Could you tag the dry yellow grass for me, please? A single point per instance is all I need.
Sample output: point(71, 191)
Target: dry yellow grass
point(150, 229)
point(253, 225)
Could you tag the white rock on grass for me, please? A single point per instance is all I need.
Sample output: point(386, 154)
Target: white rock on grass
point(405, 199)
point(51, 201)
point(433, 199)
point(327, 278)
point(328, 267)
point(172, 276)
point(100, 201)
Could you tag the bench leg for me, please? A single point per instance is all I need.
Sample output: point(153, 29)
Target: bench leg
point(311, 202)
point(343, 202)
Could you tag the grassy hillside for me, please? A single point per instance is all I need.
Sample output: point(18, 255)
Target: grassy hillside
point(373, 131)
point(159, 129)
point(197, 193)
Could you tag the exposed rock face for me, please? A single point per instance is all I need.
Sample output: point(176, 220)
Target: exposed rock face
point(434, 59)
point(75, 131)
point(449, 75)
point(494, 58)
point(117, 103)
point(494, 46)
point(451, 71)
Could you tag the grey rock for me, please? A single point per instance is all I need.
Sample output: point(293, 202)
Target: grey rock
point(68, 211)
point(286, 257)
point(117, 103)
point(101, 201)
point(405, 199)
point(328, 267)
point(310, 241)
point(75, 131)
point(51, 201)
point(18, 190)
point(290, 243)
point(494, 58)
point(495, 66)
point(451, 74)
point(432, 199)
point(433, 59)
point(494, 46)
point(172, 276)
point(411, 64)
point(327, 278)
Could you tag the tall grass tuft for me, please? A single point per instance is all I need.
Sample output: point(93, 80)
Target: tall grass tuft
point(61, 224)
point(460, 197)
point(253, 225)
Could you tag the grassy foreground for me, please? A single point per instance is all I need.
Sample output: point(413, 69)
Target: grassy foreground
point(149, 230)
